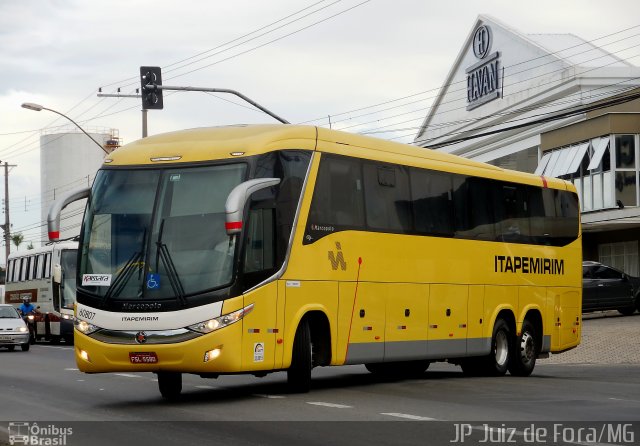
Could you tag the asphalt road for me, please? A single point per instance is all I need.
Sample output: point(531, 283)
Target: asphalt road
point(346, 404)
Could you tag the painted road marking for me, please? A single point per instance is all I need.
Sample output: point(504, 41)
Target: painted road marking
point(128, 375)
point(273, 397)
point(335, 406)
point(622, 399)
point(72, 370)
point(205, 387)
point(409, 416)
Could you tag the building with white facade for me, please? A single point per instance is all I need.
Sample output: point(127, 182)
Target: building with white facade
point(68, 161)
point(555, 105)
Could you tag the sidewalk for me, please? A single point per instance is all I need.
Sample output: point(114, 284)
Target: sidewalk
point(607, 338)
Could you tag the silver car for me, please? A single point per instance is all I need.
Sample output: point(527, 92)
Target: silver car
point(13, 330)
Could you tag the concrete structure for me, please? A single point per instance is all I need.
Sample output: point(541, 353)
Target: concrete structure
point(68, 161)
point(536, 103)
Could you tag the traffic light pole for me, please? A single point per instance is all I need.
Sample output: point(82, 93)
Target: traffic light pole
point(152, 87)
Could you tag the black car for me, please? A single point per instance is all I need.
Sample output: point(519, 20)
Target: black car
point(606, 288)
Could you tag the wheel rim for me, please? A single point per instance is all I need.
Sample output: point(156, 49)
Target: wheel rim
point(527, 347)
point(502, 348)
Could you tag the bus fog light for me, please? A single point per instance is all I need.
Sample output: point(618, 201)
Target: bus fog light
point(84, 355)
point(212, 354)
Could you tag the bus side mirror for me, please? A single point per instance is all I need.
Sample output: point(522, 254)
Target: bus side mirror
point(53, 219)
point(57, 273)
point(234, 207)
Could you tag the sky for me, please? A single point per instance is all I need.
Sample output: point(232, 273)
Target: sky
point(308, 61)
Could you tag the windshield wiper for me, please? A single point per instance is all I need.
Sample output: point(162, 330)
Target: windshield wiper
point(172, 273)
point(122, 277)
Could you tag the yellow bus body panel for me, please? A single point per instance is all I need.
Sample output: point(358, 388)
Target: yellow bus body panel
point(386, 296)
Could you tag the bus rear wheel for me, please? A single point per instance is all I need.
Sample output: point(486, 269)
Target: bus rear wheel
point(299, 373)
point(525, 351)
point(170, 384)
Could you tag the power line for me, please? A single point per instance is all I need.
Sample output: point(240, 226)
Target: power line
point(528, 79)
point(555, 117)
point(546, 55)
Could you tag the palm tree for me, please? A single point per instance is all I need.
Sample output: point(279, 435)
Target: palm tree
point(17, 239)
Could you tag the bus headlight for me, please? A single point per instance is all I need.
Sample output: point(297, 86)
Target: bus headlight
point(85, 327)
point(221, 322)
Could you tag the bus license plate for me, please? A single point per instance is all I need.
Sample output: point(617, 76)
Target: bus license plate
point(143, 357)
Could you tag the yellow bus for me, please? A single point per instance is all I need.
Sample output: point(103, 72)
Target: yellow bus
point(262, 248)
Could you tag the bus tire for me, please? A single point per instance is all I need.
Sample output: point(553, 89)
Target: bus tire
point(299, 373)
point(496, 364)
point(525, 351)
point(170, 385)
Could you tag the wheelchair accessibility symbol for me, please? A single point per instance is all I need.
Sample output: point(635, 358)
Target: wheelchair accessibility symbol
point(153, 281)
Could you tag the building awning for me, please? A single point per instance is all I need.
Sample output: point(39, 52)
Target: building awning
point(577, 160)
point(562, 162)
point(543, 163)
point(600, 148)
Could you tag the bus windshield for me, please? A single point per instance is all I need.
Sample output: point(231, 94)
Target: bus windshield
point(68, 262)
point(158, 233)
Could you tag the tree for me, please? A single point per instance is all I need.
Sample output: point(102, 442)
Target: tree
point(30, 246)
point(17, 239)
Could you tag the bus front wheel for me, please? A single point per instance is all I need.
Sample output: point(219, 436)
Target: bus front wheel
point(525, 350)
point(299, 373)
point(170, 384)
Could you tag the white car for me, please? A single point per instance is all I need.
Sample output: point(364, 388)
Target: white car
point(13, 330)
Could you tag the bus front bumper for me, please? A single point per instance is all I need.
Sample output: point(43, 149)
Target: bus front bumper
point(216, 352)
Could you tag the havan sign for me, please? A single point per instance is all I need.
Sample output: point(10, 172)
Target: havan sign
point(483, 77)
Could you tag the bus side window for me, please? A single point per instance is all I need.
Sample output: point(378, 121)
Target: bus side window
point(260, 249)
point(338, 202)
point(23, 269)
point(39, 266)
point(512, 213)
point(432, 204)
point(473, 220)
point(47, 265)
point(387, 199)
point(32, 270)
point(291, 167)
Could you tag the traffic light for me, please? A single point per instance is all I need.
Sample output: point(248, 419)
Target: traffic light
point(150, 78)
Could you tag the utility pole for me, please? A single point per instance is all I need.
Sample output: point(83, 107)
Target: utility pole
point(7, 224)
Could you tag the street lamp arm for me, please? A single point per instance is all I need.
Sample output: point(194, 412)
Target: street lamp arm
point(37, 107)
